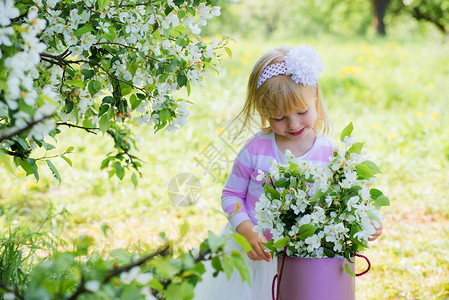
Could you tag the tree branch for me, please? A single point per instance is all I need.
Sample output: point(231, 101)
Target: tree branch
point(93, 130)
point(130, 156)
point(22, 155)
point(164, 251)
point(19, 131)
point(420, 16)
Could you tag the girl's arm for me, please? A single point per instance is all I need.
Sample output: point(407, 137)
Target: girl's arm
point(258, 253)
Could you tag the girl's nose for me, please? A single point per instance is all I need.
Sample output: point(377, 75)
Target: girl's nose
point(294, 122)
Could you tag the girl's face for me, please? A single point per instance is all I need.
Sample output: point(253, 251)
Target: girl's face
point(294, 125)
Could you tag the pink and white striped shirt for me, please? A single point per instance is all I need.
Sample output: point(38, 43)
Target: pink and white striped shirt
point(243, 189)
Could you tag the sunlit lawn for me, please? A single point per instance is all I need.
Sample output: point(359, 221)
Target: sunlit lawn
point(395, 93)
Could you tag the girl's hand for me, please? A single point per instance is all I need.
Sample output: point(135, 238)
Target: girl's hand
point(377, 233)
point(258, 252)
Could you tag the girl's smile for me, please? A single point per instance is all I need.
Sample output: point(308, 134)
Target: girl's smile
point(294, 129)
point(297, 132)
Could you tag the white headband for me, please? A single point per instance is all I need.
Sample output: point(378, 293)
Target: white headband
point(302, 63)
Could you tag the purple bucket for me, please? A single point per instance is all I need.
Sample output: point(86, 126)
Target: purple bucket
point(315, 279)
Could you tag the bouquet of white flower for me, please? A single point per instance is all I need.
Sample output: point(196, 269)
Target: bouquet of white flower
point(320, 212)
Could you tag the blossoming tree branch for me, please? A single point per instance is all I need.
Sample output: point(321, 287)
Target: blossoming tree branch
point(98, 66)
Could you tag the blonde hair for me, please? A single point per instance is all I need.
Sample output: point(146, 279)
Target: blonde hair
point(280, 92)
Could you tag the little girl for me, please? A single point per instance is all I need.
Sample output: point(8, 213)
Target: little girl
point(283, 89)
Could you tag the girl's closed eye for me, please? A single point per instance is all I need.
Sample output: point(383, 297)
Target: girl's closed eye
point(278, 119)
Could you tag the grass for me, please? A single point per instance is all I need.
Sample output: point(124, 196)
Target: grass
point(395, 93)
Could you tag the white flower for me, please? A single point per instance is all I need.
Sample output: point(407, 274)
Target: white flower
point(260, 176)
point(85, 16)
point(87, 40)
point(304, 64)
point(352, 202)
point(365, 194)
point(70, 39)
point(313, 242)
point(8, 12)
point(103, 26)
point(92, 285)
point(195, 29)
point(128, 277)
point(4, 36)
point(144, 278)
point(9, 296)
point(146, 291)
point(215, 11)
point(42, 129)
point(348, 141)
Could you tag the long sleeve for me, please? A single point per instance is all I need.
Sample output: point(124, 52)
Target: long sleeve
point(233, 199)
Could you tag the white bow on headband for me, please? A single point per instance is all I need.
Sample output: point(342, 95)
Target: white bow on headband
point(302, 63)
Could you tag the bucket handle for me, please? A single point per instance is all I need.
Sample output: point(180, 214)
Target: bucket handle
point(367, 269)
point(278, 278)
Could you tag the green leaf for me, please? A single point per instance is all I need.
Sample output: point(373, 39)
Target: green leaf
point(274, 193)
point(329, 253)
point(121, 255)
point(24, 164)
point(21, 142)
point(318, 195)
point(33, 165)
point(82, 244)
point(372, 166)
point(83, 30)
point(54, 171)
point(229, 51)
point(134, 101)
point(216, 264)
point(181, 14)
point(130, 292)
point(356, 148)
point(243, 242)
point(88, 74)
point(228, 266)
point(181, 79)
point(103, 108)
point(306, 231)
point(104, 123)
point(282, 243)
point(165, 267)
point(346, 131)
point(102, 4)
point(348, 270)
point(134, 179)
point(375, 193)
point(70, 149)
point(184, 228)
point(105, 228)
point(94, 87)
point(77, 83)
point(382, 201)
point(119, 170)
point(189, 89)
point(242, 267)
point(214, 241)
point(364, 171)
point(282, 182)
point(178, 291)
point(111, 35)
